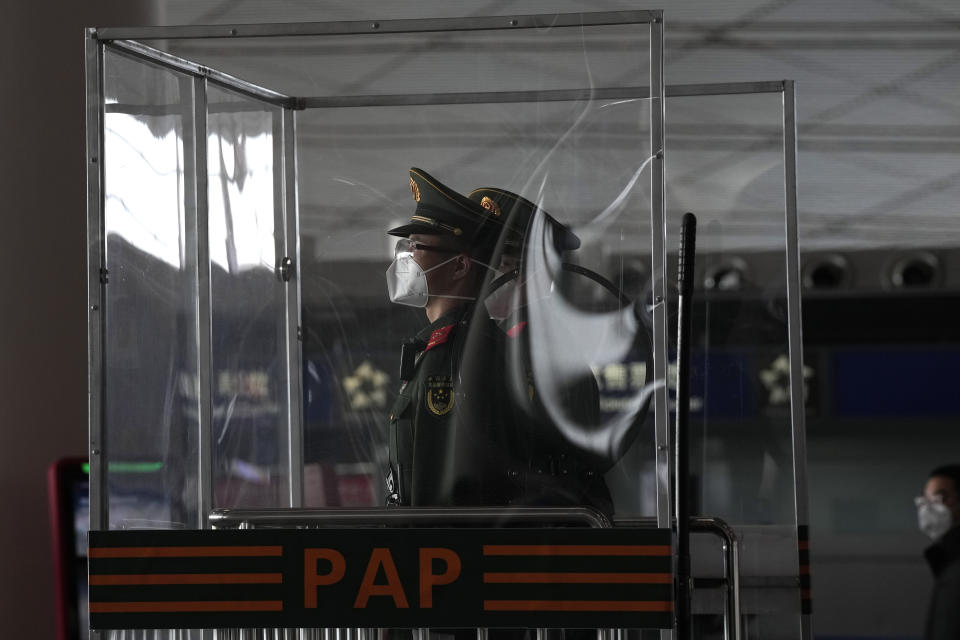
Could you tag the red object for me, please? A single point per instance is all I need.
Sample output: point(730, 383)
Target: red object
point(62, 478)
point(439, 336)
point(516, 329)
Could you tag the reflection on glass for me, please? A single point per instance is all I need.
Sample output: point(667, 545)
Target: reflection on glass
point(149, 306)
point(567, 328)
point(742, 440)
point(241, 196)
point(586, 161)
point(249, 358)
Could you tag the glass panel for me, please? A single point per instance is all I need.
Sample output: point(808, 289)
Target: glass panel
point(249, 359)
point(583, 161)
point(725, 164)
point(527, 376)
point(150, 404)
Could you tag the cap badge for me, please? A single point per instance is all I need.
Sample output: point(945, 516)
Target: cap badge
point(490, 206)
point(415, 190)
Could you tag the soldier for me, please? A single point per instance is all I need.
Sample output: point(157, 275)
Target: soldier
point(458, 434)
point(549, 470)
point(447, 441)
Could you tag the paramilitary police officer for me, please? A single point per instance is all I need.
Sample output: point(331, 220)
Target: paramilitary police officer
point(450, 444)
point(458, 436)
point(551, 470)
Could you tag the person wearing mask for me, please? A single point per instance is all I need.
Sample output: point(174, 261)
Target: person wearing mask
point(938, 511)
point(449, 439)
point(550, 470)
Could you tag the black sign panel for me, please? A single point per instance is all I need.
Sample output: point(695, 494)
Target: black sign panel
point(571, 578)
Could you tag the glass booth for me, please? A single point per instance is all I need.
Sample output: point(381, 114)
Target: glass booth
point(245, 357)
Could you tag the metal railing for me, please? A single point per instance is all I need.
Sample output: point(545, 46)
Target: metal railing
point(408, 516)
point(732, 628)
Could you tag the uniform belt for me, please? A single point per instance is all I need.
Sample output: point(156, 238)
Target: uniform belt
point(559, 465)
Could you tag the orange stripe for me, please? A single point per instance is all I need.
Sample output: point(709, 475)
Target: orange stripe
point(186, 578)
point(576, 605)
point(804, 569)
point(804, 545)
point(184, 552)
point(575, 550)
point(574, 578)
point(185, 607)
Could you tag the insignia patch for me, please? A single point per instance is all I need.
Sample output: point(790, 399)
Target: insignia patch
point(415, 190)
point(439, 395)
point(439, 336)
point(490, 206)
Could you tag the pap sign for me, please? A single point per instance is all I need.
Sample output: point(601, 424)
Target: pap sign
point(400, 578)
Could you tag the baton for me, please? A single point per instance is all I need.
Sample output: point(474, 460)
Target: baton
point(688, 245)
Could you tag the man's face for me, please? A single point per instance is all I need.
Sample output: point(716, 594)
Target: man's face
point(426, 258)
point(437, 280)
point(942, 489)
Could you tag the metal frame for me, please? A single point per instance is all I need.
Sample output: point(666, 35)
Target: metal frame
point(421, 516)
point(96, 318)
point(197, 199)
point(292, 332)
point(731, 565)
point(121, 40)
point(148, 53)
point(795, 324)
point(658, 268)
point(358, 27)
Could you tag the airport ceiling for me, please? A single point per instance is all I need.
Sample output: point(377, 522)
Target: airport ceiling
point(878, 90)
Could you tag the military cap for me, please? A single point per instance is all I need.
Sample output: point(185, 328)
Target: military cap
point(442, 211)
point(517, 212)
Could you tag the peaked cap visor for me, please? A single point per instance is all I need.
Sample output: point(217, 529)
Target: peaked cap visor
point(442, 211)
point(517, 212)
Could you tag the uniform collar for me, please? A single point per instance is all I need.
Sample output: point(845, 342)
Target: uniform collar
point(451, 317)
point(944, 551)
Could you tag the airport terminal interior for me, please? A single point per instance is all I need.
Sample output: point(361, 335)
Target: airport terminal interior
point(228, 327)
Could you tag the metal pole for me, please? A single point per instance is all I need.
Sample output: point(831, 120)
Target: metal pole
point(535, 95)
point(406, 25)
point(658, 263)
point(204, 307)
point(96, 275)
point(292, 305)
point(248, 89)
point(681, 483)
point(421, 516)
point(731, 563)
point(795, 336)
point(658, 272)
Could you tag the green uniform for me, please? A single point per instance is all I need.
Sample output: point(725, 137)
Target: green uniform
point(448, 445)
point(459, 437)
point(466, 428)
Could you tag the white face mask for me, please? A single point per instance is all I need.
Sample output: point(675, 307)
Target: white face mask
point(934, 518)
point(502, 301)
point(407, 282)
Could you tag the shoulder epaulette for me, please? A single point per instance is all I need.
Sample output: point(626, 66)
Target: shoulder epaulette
point(439, 336)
